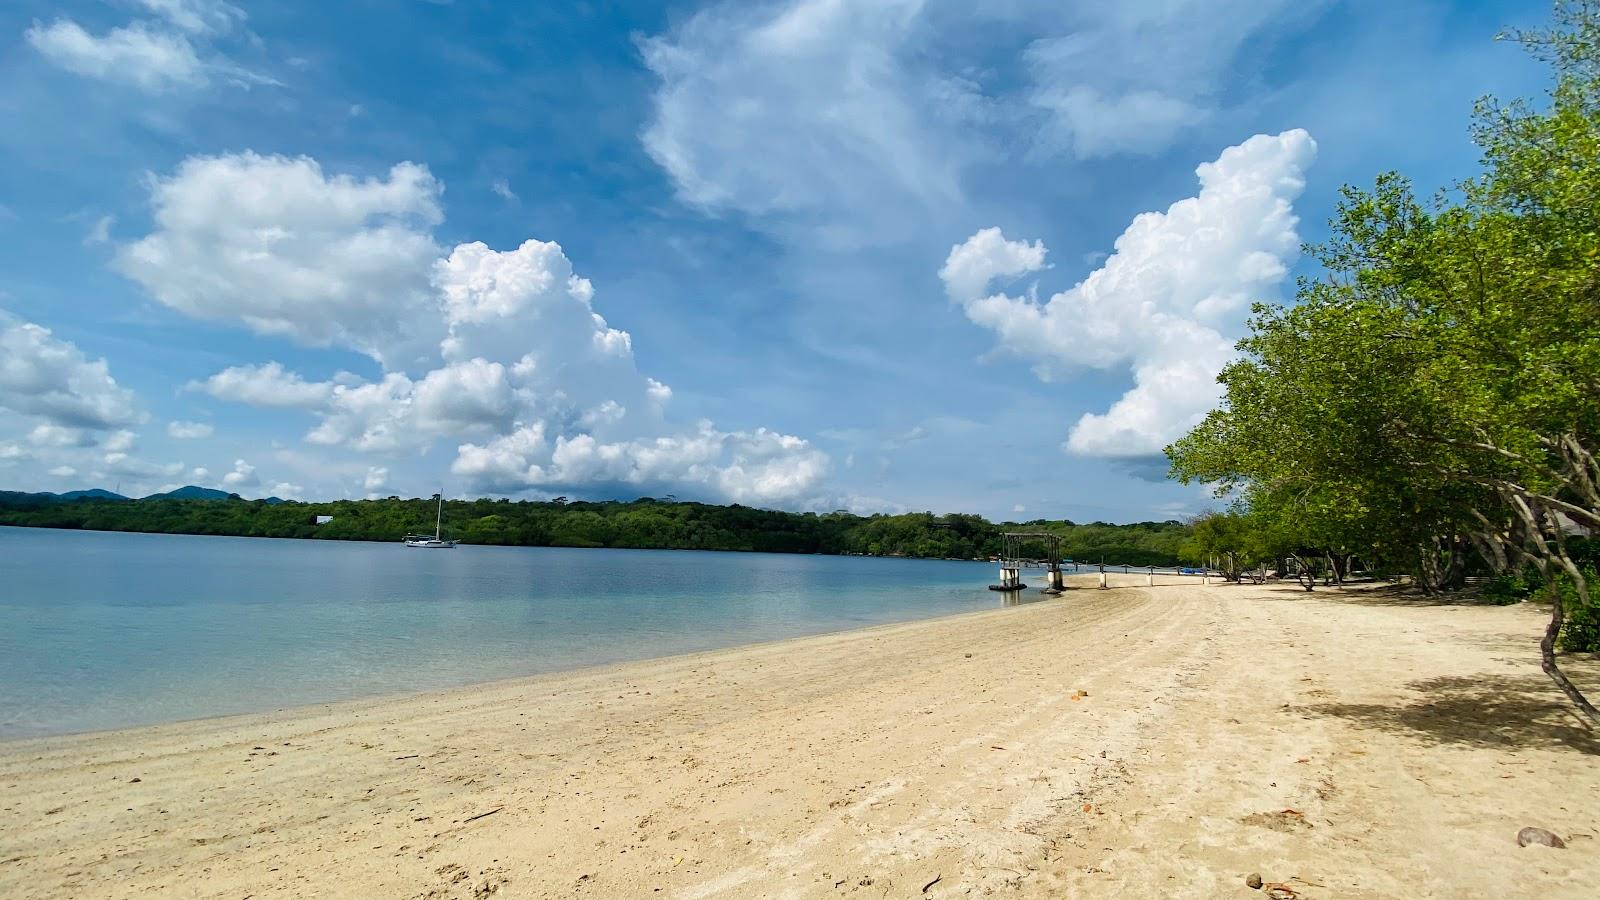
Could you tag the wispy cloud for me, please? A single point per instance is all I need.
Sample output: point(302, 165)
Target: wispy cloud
point(188, 431)
point(149, 59)
point(100, 231)
point(858, 120)
point(176, 50)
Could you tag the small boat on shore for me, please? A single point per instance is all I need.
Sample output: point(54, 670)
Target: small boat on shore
point(436, 541)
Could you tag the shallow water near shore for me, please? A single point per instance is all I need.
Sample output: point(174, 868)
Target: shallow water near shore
point(105, 630)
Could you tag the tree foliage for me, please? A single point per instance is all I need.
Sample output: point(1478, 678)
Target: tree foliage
point(1437, 390)
point(642, 523)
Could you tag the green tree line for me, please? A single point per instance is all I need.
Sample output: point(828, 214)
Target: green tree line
point(642, 523)
point(1432, 404)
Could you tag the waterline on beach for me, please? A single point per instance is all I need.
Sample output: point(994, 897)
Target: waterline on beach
point(102, 630)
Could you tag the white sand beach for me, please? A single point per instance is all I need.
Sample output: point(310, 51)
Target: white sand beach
point(1163, 741)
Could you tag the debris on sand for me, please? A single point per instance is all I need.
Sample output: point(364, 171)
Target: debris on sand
point(1283, 820)
point(1253, 881)
point(1541, 836)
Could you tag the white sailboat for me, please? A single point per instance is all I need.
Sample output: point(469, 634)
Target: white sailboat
point(437, 541)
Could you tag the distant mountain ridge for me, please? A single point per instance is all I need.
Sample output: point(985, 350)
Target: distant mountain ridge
point(42, 498)
point(92, 494)
point(187, 492)
point(192, 492)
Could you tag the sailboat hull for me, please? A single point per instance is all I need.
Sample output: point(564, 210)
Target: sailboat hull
point(431, 544)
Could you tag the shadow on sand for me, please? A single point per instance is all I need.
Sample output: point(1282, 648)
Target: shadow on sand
point(1372, 593)
point(1501, 711)
point(1506, 712)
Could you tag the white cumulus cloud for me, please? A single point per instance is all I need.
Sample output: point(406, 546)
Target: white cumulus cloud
point(752, 467)
point(118, 440)
point(41, 375)
point(985, 257)
point(272, 243)
point(1164, 303)
point(49, 435)
point(269, 385)
point(242, 476)
point(397, 412)
point(500, 353)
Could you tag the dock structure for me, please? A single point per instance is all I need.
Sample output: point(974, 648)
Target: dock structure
point(1030, 549)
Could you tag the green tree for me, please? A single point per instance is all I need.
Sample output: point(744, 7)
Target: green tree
point(1437, 389)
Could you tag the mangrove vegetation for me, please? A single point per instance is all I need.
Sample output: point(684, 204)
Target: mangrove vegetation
point(1431, 403)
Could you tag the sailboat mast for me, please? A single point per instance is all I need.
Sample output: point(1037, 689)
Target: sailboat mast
point(438, 520)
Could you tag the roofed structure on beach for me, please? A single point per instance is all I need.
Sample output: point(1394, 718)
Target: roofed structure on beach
point(1013, 543)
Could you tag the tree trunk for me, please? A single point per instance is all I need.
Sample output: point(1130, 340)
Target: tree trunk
point(1540, 529)
point(1340, 564)
point(1547, 647)
point(1303, 572)
point(1428, 569)
point(1547, 657)
point(1490, 550)
point(1455, 570)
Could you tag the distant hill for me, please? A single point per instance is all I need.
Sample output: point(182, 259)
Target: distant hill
point(42, 498)
point(192, 492)
point(23, 498)
point(92, 494)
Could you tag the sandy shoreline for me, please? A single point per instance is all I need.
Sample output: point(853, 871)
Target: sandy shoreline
point(1118, 743)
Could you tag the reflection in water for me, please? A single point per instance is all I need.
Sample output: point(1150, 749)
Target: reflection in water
point(101, 630)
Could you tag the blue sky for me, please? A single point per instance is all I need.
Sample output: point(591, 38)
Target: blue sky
point(884, 256)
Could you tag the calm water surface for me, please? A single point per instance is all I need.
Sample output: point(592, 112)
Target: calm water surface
point(102, 630)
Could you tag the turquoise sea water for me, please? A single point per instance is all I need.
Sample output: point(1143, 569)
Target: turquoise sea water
point(101, 630)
